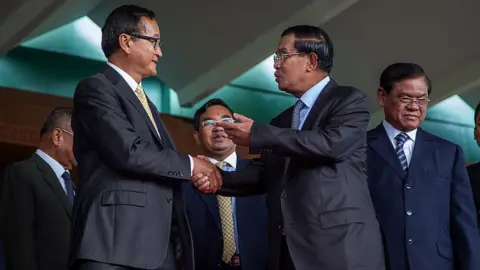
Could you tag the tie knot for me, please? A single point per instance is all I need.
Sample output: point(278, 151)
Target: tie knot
point(299, 105)
point(221, 164)
point(139, 89)
point(401, 138)
point(66, 176)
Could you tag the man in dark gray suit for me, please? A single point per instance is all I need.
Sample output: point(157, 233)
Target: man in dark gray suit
point(129, 211)
point(312, 165)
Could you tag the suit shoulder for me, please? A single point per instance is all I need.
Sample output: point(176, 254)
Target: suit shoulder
point(473, 168)
point(21, 169)
point(343, 91)
point(95, 81)
point(442, 143)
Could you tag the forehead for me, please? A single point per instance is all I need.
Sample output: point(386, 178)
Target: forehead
point(150, 27)
point(414, 86)
point(286, 43)
point(216, 112)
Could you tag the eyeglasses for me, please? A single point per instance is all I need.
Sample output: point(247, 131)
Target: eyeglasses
point(283, 56)
point(66, 131)
point(421, 102)
point(154, 40)
point(210, 122)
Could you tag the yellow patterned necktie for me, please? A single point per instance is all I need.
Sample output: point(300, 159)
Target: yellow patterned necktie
point(226, 216)
point(143, 99)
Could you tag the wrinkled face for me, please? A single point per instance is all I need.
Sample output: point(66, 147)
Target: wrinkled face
point(144, 49)
point(405, 106)
point(476, 131)
point(211, 137)
point(290, 66)
point(62, 139)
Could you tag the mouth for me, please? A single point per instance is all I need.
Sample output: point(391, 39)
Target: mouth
point(409, 116)
point(219, 137)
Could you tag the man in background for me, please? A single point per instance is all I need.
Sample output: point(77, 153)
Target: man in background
point(228, 232)
point(474, 169)
point(130, 211)
point(37, 199)
point(418, 181)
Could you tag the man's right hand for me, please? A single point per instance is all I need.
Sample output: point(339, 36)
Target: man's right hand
point(206, 177)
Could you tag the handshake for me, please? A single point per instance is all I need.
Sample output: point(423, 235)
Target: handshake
point(206, 177)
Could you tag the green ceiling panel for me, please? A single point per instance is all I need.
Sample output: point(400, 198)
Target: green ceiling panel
point(452, 119)
point(81, 38)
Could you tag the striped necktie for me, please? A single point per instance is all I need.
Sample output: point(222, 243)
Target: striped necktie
point(226, 217)
point(299, 105)
point(400, 140)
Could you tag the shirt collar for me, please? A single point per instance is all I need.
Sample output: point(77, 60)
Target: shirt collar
point(130, 81)
point(309, 97)
point(393, 132)
point(57, 168)
point(231, 160)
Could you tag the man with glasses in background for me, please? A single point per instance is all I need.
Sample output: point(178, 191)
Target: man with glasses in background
point(228, 233)
point(418, 181)
point(37, 200)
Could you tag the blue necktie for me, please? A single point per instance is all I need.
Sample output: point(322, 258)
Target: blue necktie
point(299, 105)
point(68, 185)
point(401, 139)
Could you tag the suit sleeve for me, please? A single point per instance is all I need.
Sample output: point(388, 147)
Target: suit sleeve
point(465, 234)
point(18, 203)
point(99, 114)
point(246, 181)
point(344, 133)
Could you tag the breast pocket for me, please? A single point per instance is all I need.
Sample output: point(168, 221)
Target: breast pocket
point(124, 197)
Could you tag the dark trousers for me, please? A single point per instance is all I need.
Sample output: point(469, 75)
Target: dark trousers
point(286, 262)
point(168, 264)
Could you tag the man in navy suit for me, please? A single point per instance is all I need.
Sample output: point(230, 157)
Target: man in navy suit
point(228, 232)
point(418, 181)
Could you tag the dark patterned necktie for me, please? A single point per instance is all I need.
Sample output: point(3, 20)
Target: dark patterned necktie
point(299, 105)
point(68, 185)
point(400, 140)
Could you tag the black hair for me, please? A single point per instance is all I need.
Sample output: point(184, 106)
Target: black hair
point(58, 118)
point(122, 20)
point(313, 39)
point(398, 72)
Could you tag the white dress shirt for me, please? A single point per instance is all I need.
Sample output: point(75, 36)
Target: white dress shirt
point(133, 84)
point(56, 167)
point(409, 143)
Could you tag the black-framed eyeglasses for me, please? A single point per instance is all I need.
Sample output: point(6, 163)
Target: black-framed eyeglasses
point(421, 102)
point(282, 56)
point(154, 40)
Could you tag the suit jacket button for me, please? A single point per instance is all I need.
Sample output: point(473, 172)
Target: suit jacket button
point(169, 200)
point(284, 196)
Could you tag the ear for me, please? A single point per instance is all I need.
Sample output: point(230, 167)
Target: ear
point(381, 97)
point(312, 62)
point(125, 42)
point(56, 137)
point(196, 137)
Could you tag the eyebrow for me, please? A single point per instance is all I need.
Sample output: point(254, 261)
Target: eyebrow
point(226, 116)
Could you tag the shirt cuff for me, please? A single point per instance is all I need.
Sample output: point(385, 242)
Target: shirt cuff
point(191, 165)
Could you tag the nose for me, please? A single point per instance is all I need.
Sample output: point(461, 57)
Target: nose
point(276, 64)
point(158, 52)
point(217, 128)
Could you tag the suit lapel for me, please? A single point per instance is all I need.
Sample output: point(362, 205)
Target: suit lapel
point(123, 87)
point(52, 180)
point(378, 140)
point(422, 151)
point(212, 206)
point(319, 104)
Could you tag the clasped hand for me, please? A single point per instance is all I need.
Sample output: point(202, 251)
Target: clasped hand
point(206, 177)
